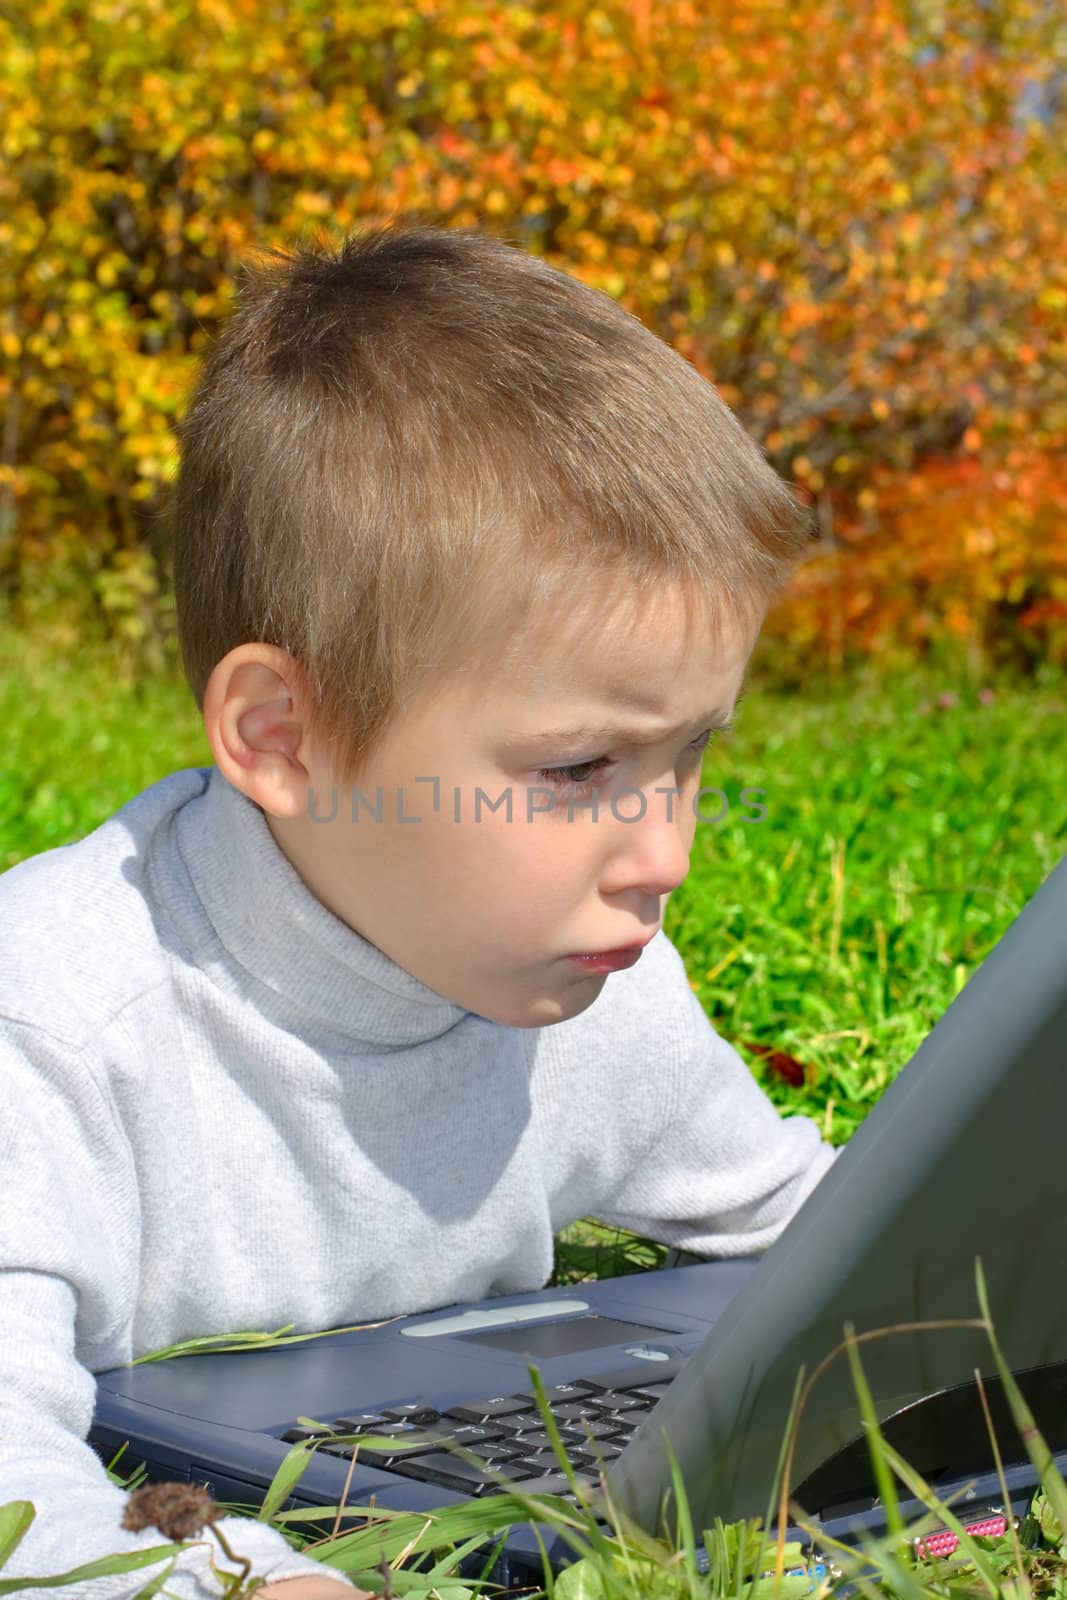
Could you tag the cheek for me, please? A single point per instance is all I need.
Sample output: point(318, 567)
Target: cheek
point(537, 866)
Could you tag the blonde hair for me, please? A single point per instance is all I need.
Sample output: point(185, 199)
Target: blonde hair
point(405, 449)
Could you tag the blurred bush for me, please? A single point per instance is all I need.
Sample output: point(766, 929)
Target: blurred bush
point(850, 219)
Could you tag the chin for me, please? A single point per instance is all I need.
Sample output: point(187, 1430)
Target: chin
point(572, 1005)
point(552, 1009)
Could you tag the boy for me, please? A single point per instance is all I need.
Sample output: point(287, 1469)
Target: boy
point(468, 568)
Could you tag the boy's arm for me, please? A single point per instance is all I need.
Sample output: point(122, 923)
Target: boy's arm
point(721, 1172)
point(68, 1262)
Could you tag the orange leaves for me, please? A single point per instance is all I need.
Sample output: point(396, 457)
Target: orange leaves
point(561, 173)
point(800, 314)
point(963, 548)
point(450, 144)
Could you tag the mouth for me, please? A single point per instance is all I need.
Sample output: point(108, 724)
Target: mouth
point(622, 949)
point(613, 960)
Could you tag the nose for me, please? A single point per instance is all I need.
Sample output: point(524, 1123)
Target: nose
point(649, 847)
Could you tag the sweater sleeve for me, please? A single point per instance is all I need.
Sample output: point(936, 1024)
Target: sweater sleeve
point(68, 1263)
point(723, 1172)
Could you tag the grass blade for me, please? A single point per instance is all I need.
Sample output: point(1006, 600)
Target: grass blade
point(104, 1567)
point(290, 1471)
point(212, 1344)
point(1036, 1447)
point(153, 1586)
point(15, 1520)
point(447, 1564)
point(875, 1441)
point(208, 1344)
point(685, 1521)
point(1001, 1479)
point(780, 1489)
point(389, 1532)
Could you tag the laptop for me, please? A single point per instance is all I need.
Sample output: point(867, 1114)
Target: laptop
point(963, 1156)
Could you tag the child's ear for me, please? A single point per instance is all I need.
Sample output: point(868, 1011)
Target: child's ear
point(255, 718)
point(271, 725)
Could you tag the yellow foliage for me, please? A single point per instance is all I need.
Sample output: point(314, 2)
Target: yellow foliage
point(838, 217)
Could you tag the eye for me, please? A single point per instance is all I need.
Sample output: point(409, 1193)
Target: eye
point(581, 775)
point(561, 777)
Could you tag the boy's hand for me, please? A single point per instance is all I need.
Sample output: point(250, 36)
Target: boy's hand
point(311, 1588)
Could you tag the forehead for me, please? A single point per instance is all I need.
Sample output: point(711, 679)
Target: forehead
point(662, 622)
point(654, 651)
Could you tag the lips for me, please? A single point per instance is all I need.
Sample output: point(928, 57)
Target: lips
point(610, 962)
point(619, 950)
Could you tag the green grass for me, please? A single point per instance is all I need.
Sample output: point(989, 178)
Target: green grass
point(901, 839)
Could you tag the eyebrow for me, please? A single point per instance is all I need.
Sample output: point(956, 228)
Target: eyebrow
point(722, 721)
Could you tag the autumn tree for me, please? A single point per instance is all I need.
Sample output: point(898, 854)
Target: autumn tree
point(849, 218)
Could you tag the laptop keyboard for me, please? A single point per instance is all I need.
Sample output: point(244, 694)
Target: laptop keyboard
point(505, 1433)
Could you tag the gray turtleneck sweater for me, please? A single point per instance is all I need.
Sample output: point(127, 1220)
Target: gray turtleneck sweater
point(221, 1108)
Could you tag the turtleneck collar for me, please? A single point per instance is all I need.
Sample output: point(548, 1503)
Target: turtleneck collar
point(269, 922)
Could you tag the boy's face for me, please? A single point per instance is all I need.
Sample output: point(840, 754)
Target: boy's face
point(485, 910)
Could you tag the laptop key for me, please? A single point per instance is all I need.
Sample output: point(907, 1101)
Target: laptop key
point(544, 1461)
point(500, 1406)
point(471, 1435)
point(452, 1472)
point(576, 1410)
point(580, 1389)
point(441, 1476)
point(392, 1429)
point(517, 1421)
point(628, 1378)
point(541, 1439)
point(620, 1401)
point(551, 1483)
point(607, 1428)
point(652, 1391)
point(415, 1412)
point(627, 1427)
point(359, 1419)
point(512, 1470)
point(409, 1437)
point(377, 1458)
point(500, 1450)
